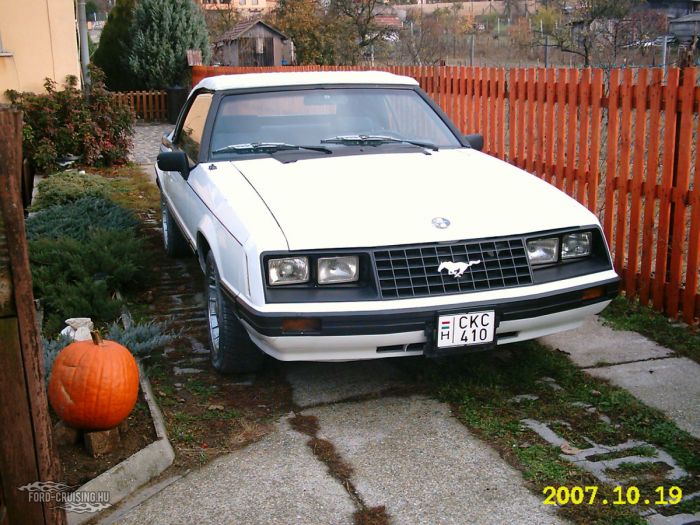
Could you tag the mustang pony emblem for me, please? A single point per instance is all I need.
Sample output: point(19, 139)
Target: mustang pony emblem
point(456, 270)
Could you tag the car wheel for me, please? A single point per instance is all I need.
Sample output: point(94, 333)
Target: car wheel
point(174, 241)
point(232, 351)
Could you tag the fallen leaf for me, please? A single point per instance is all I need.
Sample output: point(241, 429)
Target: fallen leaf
point(215, 407)
point(566, 448)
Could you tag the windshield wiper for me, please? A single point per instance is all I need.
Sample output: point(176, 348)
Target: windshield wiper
point(375, 140)
point(266, 147)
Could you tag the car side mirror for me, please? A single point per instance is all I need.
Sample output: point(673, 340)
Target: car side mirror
point(476, 141)
point(174, 161)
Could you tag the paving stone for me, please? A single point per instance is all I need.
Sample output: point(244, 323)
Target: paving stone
point(599, 468)
point(147, 141)
point(181, 371)
point(671, 385)
point(412, 456)
point(581, 404)
point(594, 343)
point(197, 347)
point(523, 397)
point(550, 382)
point(677, 519)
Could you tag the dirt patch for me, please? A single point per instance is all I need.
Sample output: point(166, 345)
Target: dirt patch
point(305, 424)
point(208, 414)
point(325, 451)
point(79, 467)
point(371, 516)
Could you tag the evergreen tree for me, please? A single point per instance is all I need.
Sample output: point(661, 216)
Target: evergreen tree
point(112, 55)
point(162, 33)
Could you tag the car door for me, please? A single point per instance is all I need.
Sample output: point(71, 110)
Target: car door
point(185, 205)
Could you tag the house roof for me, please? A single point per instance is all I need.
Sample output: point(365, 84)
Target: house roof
point(692, 17)
point(243, 27)
point(255, 80)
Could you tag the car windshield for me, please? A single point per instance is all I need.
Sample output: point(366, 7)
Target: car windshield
point(334, 117)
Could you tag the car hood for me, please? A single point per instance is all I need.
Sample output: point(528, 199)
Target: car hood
point(389, 199)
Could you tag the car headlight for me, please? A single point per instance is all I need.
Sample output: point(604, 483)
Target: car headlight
point(289, 270)
point(333, 270)
point(543, 251)
point(576, 245)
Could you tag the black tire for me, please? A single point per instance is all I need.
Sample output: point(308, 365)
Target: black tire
point(232, 351)
point(174, 241)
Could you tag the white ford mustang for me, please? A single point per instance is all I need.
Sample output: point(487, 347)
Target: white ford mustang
point(342, 216)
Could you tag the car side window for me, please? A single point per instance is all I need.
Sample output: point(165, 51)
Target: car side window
point(190, 137)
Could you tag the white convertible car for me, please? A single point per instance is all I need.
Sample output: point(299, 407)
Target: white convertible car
point(342, 216)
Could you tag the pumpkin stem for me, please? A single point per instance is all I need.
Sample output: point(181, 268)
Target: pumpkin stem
point(96, 337)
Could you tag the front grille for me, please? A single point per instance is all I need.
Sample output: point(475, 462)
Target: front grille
point(412, 271)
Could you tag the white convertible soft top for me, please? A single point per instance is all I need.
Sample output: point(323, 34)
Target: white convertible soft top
point(256, 80)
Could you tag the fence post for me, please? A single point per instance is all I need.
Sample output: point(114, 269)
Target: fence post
point(679, 187)
point(27, 453)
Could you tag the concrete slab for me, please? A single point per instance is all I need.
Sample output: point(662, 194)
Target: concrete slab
point(671, 385)
point(593, 344)
point(318, 383)
point(412, 456)
point(274, 481)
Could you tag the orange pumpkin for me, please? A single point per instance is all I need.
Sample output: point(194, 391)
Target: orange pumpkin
point(94, 384)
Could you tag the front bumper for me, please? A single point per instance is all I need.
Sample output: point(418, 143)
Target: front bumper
point(369, 335)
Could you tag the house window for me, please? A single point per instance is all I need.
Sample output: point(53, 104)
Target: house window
point(241, 2)
point(3, 51)
point(253, 2)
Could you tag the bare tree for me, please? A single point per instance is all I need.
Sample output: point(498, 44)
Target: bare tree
point(593, 27)
point(221, 20)
point(361, 17)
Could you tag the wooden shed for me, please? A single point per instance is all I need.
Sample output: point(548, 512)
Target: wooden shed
point(684, 28)
point(253, 43)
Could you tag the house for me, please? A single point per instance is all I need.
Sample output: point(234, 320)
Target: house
point(685, 27)
point(673, 8)
point(37, 40)
point(245, 7)
point(253, 43)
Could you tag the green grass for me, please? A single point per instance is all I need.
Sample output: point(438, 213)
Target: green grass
point(480, 388)
point(200, 389)
point(624, 314)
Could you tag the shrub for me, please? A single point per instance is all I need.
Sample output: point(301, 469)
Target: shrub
point(112, 55)
point(163, 31)
point(61, 123)
point(51, 349)
point(80, 278)
point(79, 219)
point(68, 186)
point(141, 339)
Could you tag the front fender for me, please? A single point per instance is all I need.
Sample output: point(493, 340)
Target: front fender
point(228, 253)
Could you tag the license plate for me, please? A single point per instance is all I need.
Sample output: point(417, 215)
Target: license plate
point(473, 328)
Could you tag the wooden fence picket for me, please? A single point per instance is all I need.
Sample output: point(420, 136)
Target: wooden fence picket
point(670, 99)
point(640, 121)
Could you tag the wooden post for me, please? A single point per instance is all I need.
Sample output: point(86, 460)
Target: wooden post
point(27, 453)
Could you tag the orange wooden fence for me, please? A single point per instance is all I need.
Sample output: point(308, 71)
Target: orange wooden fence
point(148, 106)
point(624, 145)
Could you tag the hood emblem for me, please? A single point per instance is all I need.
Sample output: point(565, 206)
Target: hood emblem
point(441, 222)
point(456, 270)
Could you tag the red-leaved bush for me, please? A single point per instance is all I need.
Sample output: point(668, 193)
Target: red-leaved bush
point(65, 122)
